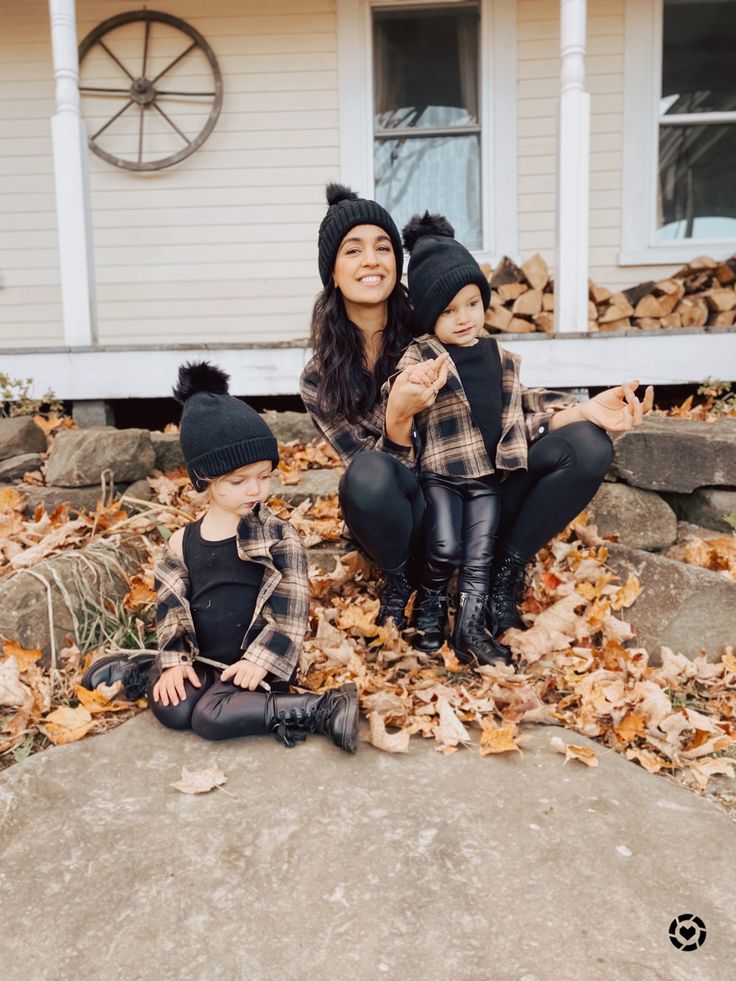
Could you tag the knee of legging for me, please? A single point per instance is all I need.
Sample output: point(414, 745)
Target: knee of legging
point(172, 716)
point(369, 479)
point(444, 552)
point(207, 721)
point(595, 450)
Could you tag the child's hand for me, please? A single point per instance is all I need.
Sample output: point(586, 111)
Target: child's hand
point(245, 674)
point(170, 686)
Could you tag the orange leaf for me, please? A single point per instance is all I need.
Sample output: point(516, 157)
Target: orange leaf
point(11, 500)
point(98, 701)
point(66, 725)
point(584, 754)
point(631, 726)
point(499, 739)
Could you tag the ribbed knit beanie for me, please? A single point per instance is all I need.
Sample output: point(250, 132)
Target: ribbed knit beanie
point(439, 267)
point(218, 432)
point(345, 211)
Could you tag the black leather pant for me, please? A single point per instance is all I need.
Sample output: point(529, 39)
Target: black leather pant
point(383, 504)
point(461, 519)
point(217, 710)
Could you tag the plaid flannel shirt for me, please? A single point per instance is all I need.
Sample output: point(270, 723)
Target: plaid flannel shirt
point(274, 638)
point(451, 443)
point(347, 438)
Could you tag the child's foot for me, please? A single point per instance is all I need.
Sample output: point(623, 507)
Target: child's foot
point(132, 671)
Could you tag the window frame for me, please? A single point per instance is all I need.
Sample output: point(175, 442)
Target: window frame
point(644, 28)
point(497, 101)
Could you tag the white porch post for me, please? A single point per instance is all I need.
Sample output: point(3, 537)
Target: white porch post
point(69, 136)
point(571, 288)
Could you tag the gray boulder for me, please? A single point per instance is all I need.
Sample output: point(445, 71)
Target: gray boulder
point(168, 451)
point(683, 606)
point(706, 506)
point(313, 483)
point(80, 581)
point(14, 467)
point(78, 498)
point(640, 519)
point(20, 435)
point(665, 454)
point(79, 457)
point(291, 425)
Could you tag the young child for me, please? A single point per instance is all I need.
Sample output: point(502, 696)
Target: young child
point(473, 432)
point(232, 591)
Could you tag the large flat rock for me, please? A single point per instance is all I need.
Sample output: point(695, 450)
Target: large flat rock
point(666, 454)
point(20, 435)
point(640, 519)
point(318, 865)
point(708, 506)
point(683, 606)
point(78, 457)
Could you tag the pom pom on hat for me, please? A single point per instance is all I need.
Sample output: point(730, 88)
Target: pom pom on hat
point(200, 376)
point(335, 193)
point(419, 226)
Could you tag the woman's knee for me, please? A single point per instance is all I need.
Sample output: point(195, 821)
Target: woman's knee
point(372, 477)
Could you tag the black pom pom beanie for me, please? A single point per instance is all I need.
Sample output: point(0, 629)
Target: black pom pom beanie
point(345, 211)
point(218, 432)
point(439, 267)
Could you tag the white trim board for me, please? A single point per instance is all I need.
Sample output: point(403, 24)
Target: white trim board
point(566, 361)
point(498, 112)
point(642, 90)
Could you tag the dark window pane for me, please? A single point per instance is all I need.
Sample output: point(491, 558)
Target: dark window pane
point(697, 192)
point(699, 56)
point(437, 173)
point(425, 67)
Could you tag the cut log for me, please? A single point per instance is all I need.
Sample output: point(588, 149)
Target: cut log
point(548, 302)
point(636, 293)
point(693, 311)
point(648, 323)
point(619, 300)
point(703, 262)
point(725, 274)
point(486, 269)
point(592, 311)
point(528, 303)
point(546, 321)
point(725, 319)
point(593, 326)
point(498, 317)
point(615, 312)
point(649, 306)
point(506, 272)
point(510, 291)
point(669, 299)
point(671, 320)
point(598, 294)
point(520, 326)
point(720, 299)
point(698, 282)
point(536, 272)
point(621, 324)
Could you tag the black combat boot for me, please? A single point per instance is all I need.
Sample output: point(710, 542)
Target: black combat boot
point(429, 620)
point(470, 639)
point(396, 594)
point(334, 714)
point(134, 672)
point(506, 590)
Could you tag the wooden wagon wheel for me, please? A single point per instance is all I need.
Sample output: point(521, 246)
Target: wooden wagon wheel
point(147, 93)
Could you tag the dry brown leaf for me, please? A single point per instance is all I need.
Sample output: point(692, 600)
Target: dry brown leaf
point(499, 739)
point(13, 692)
point(199, 781)
point(389, 742)
point(450, 732)
point(584, 754)
point(99, 701)
point(66, 725)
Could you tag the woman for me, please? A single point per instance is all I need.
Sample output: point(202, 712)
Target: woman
point(361, 323)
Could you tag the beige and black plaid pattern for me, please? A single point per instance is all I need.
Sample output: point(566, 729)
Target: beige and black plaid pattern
point(349, 439)
point(274, 637)
point(451, 444)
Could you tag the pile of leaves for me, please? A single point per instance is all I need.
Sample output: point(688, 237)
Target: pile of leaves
point(578, 664)
point(717, 402)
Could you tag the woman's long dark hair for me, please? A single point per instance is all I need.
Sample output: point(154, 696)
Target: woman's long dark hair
point(347, 388)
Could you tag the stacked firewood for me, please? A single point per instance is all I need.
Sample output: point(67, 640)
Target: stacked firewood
point(701, 293)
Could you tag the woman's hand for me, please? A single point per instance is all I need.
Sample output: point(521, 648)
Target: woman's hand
point(170, 686)
point(245, 674)
point(414, 389)
point(618, 409)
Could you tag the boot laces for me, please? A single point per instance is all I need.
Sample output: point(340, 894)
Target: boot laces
point(430, 609)
point(290, 726)
point(395, 596)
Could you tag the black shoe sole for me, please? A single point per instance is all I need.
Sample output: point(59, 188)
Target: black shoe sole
point(349, 732)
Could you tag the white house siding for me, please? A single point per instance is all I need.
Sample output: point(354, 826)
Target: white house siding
point(538, 94)
point(30, 297)
point(221, 247)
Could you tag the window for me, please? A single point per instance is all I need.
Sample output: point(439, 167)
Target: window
point(427, 95)
point(697, 126)
point(427, 133)
point(679, 196)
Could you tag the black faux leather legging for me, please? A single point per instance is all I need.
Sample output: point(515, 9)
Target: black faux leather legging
point(383, 504)
point(217, 710)
point(461, 519)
